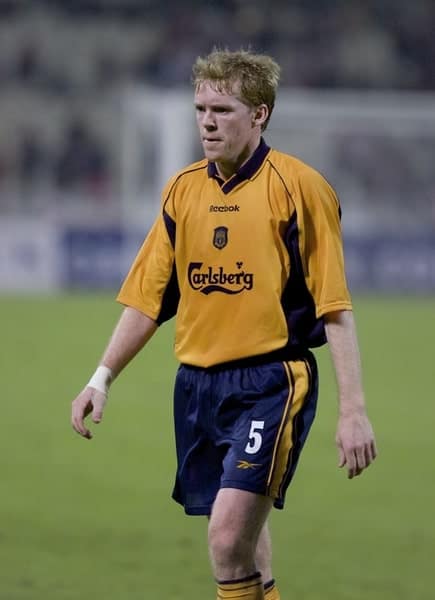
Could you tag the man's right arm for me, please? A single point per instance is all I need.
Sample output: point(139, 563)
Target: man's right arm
point(130, 335)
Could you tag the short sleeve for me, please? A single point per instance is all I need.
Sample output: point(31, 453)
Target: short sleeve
point(320, 243)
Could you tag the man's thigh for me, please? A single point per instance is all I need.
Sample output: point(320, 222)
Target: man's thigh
point(240, 513)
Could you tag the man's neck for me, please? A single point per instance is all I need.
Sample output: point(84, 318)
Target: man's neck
point(226, 170)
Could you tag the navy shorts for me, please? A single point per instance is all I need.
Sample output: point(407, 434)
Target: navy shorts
point(241, 427)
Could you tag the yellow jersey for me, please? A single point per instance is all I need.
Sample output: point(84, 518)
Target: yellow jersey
point(249, 266)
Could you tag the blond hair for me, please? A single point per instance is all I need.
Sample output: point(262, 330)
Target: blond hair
point(257, 75)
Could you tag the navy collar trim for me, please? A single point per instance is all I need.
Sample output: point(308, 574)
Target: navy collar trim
point(246, 171)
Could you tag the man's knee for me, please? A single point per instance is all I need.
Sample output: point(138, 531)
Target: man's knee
point(230, 546)
point(235, 524)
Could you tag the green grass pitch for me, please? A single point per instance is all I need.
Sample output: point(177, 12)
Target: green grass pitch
point(93, 520)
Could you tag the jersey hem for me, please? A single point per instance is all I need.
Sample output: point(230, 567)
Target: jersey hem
point(280, 355)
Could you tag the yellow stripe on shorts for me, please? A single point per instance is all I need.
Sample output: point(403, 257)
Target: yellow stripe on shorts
point(299, 376)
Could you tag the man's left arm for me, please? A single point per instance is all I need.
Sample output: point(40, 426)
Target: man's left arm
point(355, 439)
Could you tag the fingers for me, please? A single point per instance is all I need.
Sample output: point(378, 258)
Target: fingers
point(362, 460)
point(356, 443)
point(78, 413)
point(98, 403)
point(350, 461)
point(88, 401)
point(356, 459)
point(373, 450)
point(341, 457)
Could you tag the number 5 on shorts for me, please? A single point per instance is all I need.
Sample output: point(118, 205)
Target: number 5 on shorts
point(255, 439)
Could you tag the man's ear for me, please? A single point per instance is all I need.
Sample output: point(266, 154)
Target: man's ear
point(260, 115)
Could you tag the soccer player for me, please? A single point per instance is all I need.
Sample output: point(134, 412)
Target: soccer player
point(247, 254)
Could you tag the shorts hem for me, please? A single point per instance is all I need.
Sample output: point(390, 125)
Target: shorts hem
point(197, 511)
point(205, 509)
point(278, 501)
point(246, 487)
point(200, 510)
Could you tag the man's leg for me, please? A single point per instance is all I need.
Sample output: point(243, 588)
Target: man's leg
point(263, 554)
point(263, 560)
point(236, 522)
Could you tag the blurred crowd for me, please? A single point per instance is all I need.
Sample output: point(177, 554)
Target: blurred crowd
point(59, 58)
point(65, 45)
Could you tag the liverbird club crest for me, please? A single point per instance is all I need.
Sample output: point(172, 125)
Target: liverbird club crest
point(220, 237)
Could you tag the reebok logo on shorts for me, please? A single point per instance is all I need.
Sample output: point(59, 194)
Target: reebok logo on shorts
point(245, 464)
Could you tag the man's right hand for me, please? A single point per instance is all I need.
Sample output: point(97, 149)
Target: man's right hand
point(89, 401)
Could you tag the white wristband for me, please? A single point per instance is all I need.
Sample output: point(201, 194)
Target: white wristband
point(101, 379)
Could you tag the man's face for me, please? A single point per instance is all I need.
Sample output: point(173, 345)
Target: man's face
point(228, 128)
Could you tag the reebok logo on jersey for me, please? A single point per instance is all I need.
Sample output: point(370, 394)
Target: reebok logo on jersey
point(245, 464)
point(227, 208)
point(215, 279)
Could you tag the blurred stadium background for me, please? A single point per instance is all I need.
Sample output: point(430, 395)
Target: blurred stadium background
point(95, 113)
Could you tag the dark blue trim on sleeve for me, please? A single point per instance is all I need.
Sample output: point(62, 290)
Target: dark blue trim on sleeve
point(305, 329)
point(170, 299)
point(171, 296)
point(170, 227)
